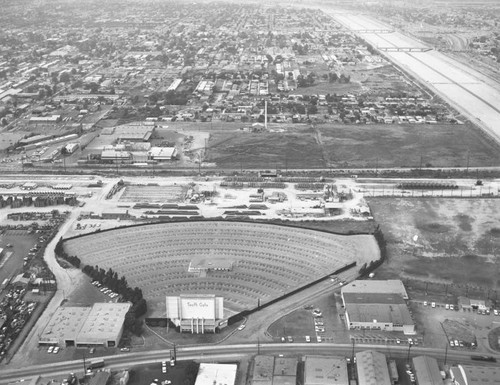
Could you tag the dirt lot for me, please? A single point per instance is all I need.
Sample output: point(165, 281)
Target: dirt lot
point(402, 145)
point(297, 149)
point(458, 241)
point(382, 145)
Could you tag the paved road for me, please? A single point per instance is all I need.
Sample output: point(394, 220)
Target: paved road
point(210, 353)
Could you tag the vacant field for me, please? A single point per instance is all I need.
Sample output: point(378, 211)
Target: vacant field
point(458, 239)
point(297, 149)
point(382, 145)
point(267, 261)
point(403, 145)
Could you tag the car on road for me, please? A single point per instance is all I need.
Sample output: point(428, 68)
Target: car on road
point(283, 339)
point(447, 306)
point(318, 338)
point(433, 304)
point(241, 327)
point(308, 339)
point(425, 303)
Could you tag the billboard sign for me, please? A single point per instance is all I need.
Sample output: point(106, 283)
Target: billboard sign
point(198, 308)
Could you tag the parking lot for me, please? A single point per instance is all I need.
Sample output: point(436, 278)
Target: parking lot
point(441, 326)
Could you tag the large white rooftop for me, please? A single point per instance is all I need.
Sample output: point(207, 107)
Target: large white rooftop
point(216, 374)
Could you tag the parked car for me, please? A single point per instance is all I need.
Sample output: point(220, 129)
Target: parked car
point(56, 350)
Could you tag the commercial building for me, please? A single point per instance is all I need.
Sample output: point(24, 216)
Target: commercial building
point(427, 371)
point(389, 286)
point(197, 313)
point(219, 374)
point(475, 375)
point(471, 304)
point(263, 370)
point(162, 153)
point(268, 370)
point(99, 325)
point(325, 370)
point(372, 368)
point(375, 307)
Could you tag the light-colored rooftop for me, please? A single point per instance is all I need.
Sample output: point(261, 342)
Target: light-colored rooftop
point(65, 323)
point(372, 368)
point(105, 321)
point(216, 374)
point(381, 313)
point(376, 286)
point(323, 370)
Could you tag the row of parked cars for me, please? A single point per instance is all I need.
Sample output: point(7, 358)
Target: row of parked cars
point(110, 293)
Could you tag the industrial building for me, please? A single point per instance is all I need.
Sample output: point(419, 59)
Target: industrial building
point(162, 153)
point(475, 375)
point(375, 307)
point(427, 371)
point(99, 325)
point(219, 374)
point(196, 313)
point(465, 303)
point(372, 368)
point(325, 370)
point(263, 370)
point(376, 286)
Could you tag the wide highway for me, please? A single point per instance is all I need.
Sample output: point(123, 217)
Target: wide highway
point(467, 90)
point(229, 352)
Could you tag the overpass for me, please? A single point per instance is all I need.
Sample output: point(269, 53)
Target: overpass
point(404, 49)
point(373, 30)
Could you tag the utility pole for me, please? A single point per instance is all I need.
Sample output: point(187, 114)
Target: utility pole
point(409, 347)
point(467, 169)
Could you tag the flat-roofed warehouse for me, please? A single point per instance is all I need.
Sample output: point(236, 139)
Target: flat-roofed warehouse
point(324, 370)
point(376, 286)
point(104, 325)
point(375, 307)
point(372, 368)
point(99, 325)
point(216, 374)
point(475, 375)
point(427, 371)
point(64, 326)
point(263, 369)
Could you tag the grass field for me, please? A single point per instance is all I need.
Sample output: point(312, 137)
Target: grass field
point(398, 145)
point(458, 240)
